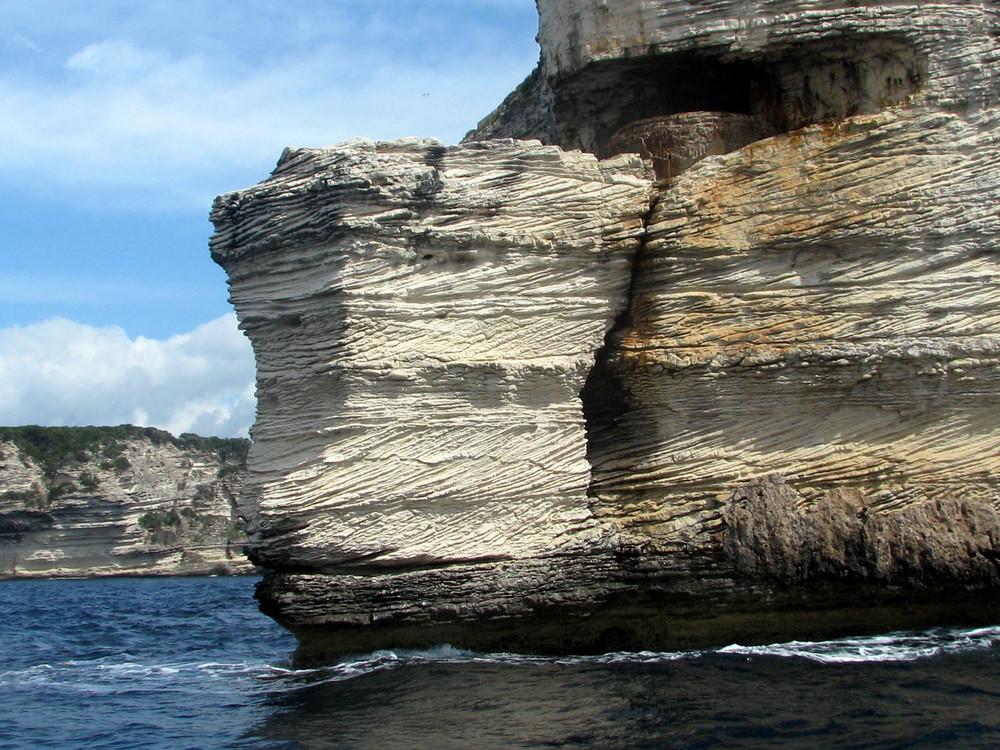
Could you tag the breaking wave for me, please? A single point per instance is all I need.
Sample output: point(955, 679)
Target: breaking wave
point(893, 647)
point(110, 673)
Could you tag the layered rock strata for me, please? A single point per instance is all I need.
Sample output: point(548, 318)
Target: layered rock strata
point(424, 319)
point(795, 405)
point(118, 502)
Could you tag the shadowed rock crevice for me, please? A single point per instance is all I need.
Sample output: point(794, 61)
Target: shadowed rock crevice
point(675, 142)
point(779, 87)
point(604, 397)
point(19, 522)
point(592, 105)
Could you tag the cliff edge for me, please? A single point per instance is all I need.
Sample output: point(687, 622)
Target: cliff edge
point(694, 330)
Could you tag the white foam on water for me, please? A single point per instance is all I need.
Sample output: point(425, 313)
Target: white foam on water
point(109, 674)
point(645, 657)
point(384, 660)
point(893, 647)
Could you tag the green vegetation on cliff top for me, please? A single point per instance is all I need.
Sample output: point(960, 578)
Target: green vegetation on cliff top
point(54, 447)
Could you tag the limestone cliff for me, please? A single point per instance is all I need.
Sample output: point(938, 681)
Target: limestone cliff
point(424, 319)
point(98, 501)
point(515, 395)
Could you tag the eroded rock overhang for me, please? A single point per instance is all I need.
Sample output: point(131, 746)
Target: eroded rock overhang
point(605, 64)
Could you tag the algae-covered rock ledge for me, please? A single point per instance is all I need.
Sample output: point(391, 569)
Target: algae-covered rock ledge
point(693, 339)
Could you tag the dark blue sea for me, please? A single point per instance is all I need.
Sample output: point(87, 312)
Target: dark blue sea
point(190, 663)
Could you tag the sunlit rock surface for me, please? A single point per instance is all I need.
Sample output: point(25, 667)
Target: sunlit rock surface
point(578, 404)
point(424, 319)
point(818, 305)
point(122, 505)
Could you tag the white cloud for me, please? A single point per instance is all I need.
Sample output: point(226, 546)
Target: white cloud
point(154, 108)
point(117, 59)
point(65, 373)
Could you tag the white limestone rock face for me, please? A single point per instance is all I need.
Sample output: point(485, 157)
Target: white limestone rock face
point(819, 305)
point(424, 319)
point(463, 420)
point(815, 304)
point(122, 506)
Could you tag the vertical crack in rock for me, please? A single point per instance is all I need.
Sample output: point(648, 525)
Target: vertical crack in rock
point(604, 397)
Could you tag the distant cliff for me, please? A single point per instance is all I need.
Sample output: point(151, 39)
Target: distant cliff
point(700, 322)
point(100, 501)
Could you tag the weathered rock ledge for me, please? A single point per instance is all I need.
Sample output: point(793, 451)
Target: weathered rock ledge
point(513, 395)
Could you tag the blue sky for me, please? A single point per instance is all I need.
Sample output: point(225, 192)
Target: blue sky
point(120, 120)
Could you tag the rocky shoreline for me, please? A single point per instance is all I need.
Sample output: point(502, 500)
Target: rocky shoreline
point(82, 502)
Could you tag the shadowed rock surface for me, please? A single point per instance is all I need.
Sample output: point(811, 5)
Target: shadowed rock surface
point(675, 142)
point(514, 396)
point(772, 533)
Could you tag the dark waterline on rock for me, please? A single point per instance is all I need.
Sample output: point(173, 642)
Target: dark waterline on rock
point(190, 663)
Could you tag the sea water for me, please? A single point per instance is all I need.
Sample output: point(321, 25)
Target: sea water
point(190, 663)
